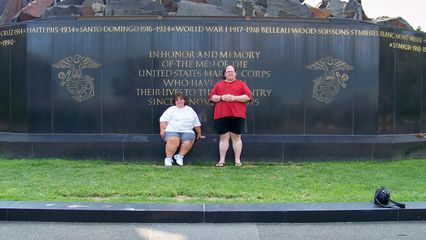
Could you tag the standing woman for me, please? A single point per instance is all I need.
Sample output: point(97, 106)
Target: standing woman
point(177, 125)
point(230, 97)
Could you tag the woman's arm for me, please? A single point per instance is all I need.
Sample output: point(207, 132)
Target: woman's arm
point(216, 98)
point(163, 126)
point(198, 132)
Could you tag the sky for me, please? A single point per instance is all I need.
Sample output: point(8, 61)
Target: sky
point(413, 11)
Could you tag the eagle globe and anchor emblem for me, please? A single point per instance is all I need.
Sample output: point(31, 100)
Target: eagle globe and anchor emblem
point(326, 87)
point(79, 85)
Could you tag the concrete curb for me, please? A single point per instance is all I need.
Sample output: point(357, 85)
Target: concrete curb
point(207, 213)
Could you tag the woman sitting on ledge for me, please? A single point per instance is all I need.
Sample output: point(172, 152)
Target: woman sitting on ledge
point(177, 125)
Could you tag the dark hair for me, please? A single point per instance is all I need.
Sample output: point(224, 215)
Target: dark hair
point(224, 71)
point(180, 95)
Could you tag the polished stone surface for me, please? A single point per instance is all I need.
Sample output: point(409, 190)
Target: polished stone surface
point(321, 89)
point(264, 148)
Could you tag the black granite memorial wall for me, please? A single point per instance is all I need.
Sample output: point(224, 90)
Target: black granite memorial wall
point(322, 89)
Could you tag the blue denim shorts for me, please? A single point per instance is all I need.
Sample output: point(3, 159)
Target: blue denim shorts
point(184, 136)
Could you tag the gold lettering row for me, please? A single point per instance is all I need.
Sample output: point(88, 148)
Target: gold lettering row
point(214, 29)
point(399, 36)
point(189, 101)
point(191, 92)
point(7, 42)
point(205, 54)
point(408, 47)
point(178, 73)
point(203, 63)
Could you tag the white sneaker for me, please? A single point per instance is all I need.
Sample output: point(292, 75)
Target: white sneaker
point(179, 159)
point(168, 162)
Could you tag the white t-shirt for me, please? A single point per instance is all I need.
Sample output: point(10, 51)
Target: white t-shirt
point(180, 119)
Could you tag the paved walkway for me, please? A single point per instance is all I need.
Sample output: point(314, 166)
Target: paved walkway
point(208, 231)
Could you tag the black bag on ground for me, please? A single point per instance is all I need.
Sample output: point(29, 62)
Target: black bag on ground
point(382, 199)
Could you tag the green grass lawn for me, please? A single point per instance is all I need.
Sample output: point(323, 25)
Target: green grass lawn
point(138, 182)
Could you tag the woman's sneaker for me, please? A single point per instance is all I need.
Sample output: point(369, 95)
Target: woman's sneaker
point(168, 162)
point(179, 159)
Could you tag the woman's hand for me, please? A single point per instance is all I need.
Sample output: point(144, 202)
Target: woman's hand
point(227, 97)
point(199, 136)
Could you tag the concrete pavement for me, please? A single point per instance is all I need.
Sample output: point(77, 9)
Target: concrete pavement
point(415, 230)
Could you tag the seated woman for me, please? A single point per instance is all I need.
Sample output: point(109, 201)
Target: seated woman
point(177, 125)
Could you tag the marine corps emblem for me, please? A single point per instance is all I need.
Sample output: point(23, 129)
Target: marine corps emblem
point(327, 86)
point(79, 85)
